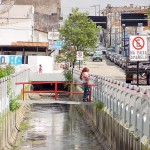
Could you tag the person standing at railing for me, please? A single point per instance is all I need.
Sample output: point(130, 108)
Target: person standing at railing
point(84, 76)
point(40, 68)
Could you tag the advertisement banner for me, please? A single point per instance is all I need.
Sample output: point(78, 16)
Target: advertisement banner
point(11, 59)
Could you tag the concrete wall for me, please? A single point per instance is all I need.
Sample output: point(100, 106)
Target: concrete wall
point(47, 13)
point(9, 127)
point(16, 26)
point(47, 63)
point(16, 32)
point(113, 134)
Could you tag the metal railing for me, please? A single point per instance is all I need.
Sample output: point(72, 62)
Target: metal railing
point(9, 90)
point(56, 91)
point(127, 103)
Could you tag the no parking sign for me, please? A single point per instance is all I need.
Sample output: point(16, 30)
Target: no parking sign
point(79, 55)
point(138, 48)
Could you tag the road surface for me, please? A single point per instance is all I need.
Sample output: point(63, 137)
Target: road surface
point(106, 68)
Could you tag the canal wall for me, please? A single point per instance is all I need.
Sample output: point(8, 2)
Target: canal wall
point(9, 126)
point(124, 120)
point(112, 133)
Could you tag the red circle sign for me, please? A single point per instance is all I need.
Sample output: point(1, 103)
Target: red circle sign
point(138, 43)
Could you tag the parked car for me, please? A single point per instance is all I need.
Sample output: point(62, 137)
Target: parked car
point(97, 57)
point(98, 51)
point(102, 49)
point(79, 64)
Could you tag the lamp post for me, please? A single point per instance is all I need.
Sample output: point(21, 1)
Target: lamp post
point(124, 31)
point(110, 36)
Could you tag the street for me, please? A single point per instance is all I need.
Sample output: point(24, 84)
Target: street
point(106, 69)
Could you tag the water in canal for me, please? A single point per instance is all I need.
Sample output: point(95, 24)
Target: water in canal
point(57, 127)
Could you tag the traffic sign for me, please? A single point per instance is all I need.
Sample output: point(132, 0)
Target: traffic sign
point(138, 48)
point(53, 35)
point(56, 45)
point(79, 55)
point(126, 39)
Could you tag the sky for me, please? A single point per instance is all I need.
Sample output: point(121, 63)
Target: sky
point(86, 5)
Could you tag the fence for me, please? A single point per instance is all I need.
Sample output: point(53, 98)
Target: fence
point(128, 104)
point(8, 88)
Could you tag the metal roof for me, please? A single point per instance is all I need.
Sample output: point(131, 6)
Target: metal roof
point(30, 44)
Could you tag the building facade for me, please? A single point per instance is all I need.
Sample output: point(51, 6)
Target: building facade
point(114, 27)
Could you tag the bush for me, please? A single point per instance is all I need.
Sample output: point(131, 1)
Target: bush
point(14, 105)
point(6, 70)
point(10, 69)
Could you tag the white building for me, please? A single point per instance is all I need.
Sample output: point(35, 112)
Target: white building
point(16, 24)
point(19, 40)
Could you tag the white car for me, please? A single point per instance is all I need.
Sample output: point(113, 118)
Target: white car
point(79, 64)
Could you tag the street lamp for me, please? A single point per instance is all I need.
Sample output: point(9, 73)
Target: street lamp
point(124, 31)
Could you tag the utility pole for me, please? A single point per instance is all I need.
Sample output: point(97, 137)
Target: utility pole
point(95, 6)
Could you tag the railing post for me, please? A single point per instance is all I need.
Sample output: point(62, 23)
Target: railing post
point(56, 93)
point(23, 93)
point(90, 93)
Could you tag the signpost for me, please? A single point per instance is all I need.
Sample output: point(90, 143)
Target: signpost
point(79, 57)
point(138, 51)
point(138, 48)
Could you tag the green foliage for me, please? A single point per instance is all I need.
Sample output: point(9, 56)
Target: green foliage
point(24, 126)
point(3, 72)
point(6, 71)
point(10, 69)
point(99, 105)
point(148, 12)
point(79, 34)
point(14, 105)
point(9, 87)
point(137, 138)
point(68, 75)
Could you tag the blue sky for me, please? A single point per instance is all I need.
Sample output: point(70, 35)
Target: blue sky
point(86, 4)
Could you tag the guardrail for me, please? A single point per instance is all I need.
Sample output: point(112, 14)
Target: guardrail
point(9, 90)
point(127, 103)
point(55, 91)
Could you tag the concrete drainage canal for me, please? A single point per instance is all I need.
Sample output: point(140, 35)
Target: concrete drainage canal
point(56, 127)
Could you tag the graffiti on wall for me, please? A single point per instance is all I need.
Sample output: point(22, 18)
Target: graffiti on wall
point(11, 59)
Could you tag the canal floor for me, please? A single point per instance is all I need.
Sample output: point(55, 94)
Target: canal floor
point(56, 127)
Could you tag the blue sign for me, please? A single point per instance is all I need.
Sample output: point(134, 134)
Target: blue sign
point(11, 59)
point(59, 43)
point(126, 39)
point(126, 45)
point(56, 45)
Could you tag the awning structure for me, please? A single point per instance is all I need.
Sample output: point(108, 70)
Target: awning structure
point(25, 47)
point(30, 44)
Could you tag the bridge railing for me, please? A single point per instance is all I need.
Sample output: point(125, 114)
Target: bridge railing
point(56, 91)
point(129, 104)
point(9, 90)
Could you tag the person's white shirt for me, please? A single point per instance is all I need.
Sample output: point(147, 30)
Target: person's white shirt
point(85, 77)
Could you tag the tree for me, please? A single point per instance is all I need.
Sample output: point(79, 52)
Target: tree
point(79, 34)
point(148, 14)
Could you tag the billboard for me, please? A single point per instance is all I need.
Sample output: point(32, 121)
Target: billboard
point(99, 20)
point(133, 19)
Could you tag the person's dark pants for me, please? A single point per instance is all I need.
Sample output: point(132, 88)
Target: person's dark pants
point(86, 92)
